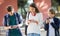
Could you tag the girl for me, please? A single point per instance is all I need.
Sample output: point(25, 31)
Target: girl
point(34, 21)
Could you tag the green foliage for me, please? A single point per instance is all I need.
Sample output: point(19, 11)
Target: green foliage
point(21, 3)
point(55, 3)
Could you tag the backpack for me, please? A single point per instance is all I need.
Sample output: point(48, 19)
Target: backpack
point(17, 18)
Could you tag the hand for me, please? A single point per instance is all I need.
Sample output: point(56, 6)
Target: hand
point(47, 21)
point(8, 27)
point(35, 21)
point(29, 21)
point(15, 26)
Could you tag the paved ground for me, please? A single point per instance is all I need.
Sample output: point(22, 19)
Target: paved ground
point(3, 32)
point(43, 32)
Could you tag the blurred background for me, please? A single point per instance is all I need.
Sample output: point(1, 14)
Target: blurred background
point(22, 7)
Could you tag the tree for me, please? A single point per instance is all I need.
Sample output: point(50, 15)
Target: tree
point(21, 6)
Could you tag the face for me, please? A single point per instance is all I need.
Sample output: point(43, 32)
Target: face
point(51, 15)
point(11, 13)
point(32, 10)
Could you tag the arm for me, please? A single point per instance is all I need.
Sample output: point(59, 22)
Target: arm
point(46, 26)
point(19, 17)
point(28, 18)
point(55, 24)
point(6, 23)
point(40, 22)
point(20, 20)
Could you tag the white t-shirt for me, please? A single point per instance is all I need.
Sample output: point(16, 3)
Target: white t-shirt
point(51, 29)
point(33, 27)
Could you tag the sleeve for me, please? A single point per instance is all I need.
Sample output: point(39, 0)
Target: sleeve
point(46, 26)
point(40, 20)
point(5, 21)
point(20, 19)
point(55, 24)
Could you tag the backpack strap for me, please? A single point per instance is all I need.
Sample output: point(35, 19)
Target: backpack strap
point(6, 20)
point(18, 18)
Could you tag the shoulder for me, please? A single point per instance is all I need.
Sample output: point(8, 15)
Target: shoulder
point(6, 15)
point(56, 19)
point(15, 13)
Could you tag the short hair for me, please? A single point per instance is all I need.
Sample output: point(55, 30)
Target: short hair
point(34, 6)
point(9, 8)
point(52, 11)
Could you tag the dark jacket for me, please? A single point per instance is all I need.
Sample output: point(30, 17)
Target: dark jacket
point(55, 25)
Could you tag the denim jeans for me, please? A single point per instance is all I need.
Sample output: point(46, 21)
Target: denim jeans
point(33, 34)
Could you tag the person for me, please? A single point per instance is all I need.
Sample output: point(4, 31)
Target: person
point(52, 24)
point(34, 22)
point(59, 29)
point(12, 21)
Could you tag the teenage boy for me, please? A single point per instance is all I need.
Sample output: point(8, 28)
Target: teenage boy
point(52, 24)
